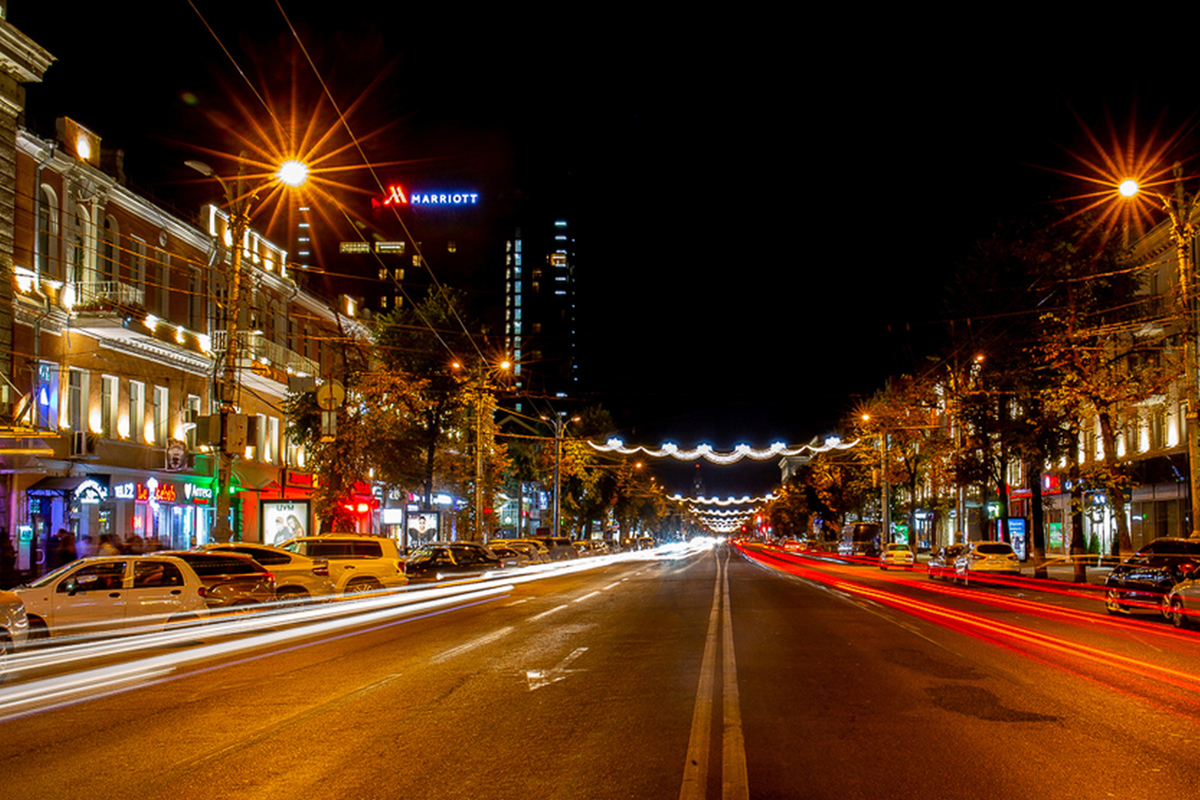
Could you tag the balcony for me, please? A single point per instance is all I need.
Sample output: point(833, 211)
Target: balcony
point(106, 296)
point(265, 355)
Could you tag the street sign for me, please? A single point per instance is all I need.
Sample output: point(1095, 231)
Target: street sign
point(330, 395)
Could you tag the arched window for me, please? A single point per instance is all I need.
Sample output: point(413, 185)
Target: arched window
point(47, 243)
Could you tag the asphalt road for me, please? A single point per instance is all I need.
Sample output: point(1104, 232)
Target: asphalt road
point(713, 674)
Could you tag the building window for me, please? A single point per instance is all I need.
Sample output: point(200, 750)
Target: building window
point(260, 441)
point(271, 453)
point(111, 252)
point(164, 285)
point(137, 266)
point(47, 261)
point(47, 396)
point(192, 413)
point(110, 389)
point(137, 412)
point(77, 395)
point(162, 396)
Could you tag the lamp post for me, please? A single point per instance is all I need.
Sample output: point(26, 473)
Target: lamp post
point(559, 421)
point(291, 173)
point(1180, 207)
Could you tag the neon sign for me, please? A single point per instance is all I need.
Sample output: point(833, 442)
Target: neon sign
point(396, 196)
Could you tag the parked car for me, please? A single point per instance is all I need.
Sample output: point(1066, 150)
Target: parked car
point(897, 555)
point(941, 562)
point(356, 563)
point(560, 548)
point(441, 560)
point(298, 578)
point(509, 557)
point(985, 560)
point(113, 594)
point(231, 580)
point(537, 552)
point(1145, 580)
point(14, 628)
point(1183, 601)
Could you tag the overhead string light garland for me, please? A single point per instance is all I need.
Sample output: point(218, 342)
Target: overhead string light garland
point(728, 501)
point(705, 451)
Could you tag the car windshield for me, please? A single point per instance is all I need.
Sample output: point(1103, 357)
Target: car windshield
point(994, 549)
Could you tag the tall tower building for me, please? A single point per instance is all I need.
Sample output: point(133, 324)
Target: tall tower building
point(540, 306)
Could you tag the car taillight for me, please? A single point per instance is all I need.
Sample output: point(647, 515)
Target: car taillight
point(202, 591)
point(321, 569)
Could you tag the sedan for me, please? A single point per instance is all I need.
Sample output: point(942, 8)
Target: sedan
point(14, 627)
point(1183, 601)
point(441, 560)
point(1145, 580)
point(986, 559)
point(897, 555)
point(113, 594)
point(298, 578)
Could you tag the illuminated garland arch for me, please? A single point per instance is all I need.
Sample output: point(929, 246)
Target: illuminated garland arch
point(705, 451)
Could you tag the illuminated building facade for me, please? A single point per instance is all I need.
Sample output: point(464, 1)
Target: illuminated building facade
point(119, 320)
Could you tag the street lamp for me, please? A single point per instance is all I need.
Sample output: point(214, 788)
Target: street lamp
point(559, 421)
point(1180, 208)
point(294, 174)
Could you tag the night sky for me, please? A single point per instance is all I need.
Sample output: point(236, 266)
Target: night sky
point(766, 212)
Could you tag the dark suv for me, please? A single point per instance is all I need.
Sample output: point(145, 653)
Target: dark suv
point(1144, 580)
point(441, 560)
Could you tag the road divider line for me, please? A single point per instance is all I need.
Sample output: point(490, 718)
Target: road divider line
point(585, 597)
point(695, 765)
point(734, 782)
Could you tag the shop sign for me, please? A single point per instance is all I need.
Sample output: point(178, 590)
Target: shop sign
point(91, 492)
point(125, 491)
point(197, 494)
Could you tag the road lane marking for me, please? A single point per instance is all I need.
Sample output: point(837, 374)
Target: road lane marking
point(585, 597)
point(536, 617)
point(695, 765)
point(734, 783)
point(610, 586)
point(544, 677)
point(478, 641)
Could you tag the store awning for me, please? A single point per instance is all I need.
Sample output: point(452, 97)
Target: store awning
point(60, 485)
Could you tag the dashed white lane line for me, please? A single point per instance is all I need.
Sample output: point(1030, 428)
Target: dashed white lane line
point(478, 641)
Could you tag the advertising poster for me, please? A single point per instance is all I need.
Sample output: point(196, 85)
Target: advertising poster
point(280, 520)
point(422, 528)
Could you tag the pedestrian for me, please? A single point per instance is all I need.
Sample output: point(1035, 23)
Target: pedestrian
point(107, 548)
point(64, 547)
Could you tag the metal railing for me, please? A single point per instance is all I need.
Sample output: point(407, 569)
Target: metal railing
point(262, 350)
point(94, 293)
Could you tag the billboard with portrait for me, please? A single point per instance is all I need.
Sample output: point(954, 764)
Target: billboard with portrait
point(280, 520)
point(422, 528)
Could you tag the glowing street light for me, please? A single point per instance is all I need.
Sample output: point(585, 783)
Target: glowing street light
point(238, 199)
point(1180, 208)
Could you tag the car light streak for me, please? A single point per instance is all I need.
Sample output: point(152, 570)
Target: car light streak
point(1148, 678)
point(36, 694)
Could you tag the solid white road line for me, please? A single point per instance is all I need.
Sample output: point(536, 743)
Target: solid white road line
point(734, 785)
point(695, 767)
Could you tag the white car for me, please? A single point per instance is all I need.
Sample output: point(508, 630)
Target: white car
point(1183, 601)
point(14, 627)
point(897, 555)
point(986, 559)
point(298, 578)
point(356, 563)
point(113, 594)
